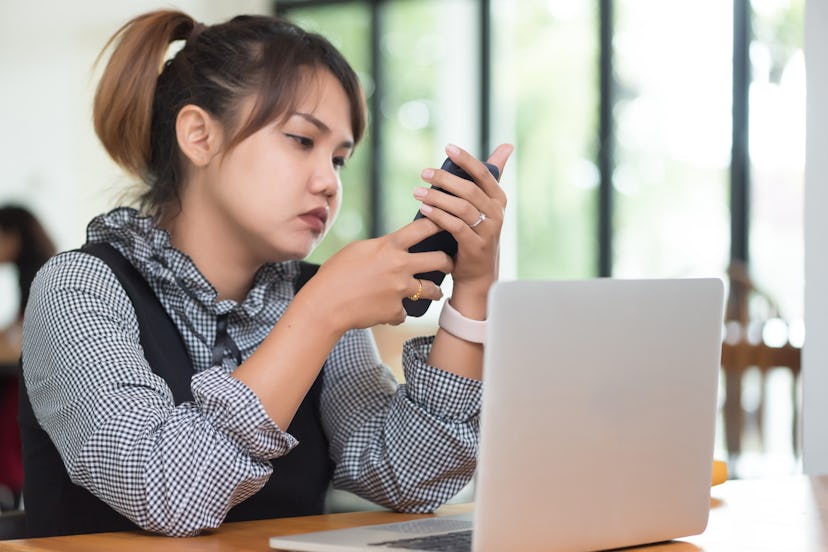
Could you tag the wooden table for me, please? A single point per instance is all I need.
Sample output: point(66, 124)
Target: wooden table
point(781, 514)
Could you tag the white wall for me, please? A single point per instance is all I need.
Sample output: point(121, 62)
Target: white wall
point(815, 351)
point(50, 159)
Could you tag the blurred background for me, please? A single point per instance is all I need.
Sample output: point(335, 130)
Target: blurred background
point(653, 139)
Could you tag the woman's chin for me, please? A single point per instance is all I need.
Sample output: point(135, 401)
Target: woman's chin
point(294, 249)
point(301, 252)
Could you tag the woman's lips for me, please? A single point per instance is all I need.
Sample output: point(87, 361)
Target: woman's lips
point(315, 219)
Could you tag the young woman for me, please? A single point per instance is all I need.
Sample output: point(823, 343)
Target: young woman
point(240, 140)
point(25, 244)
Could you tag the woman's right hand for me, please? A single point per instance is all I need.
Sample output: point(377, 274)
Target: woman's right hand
point(363, 285)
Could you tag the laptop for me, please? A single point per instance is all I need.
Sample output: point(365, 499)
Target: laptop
point(597, 424)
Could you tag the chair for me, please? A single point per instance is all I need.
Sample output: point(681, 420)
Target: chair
point(744, 347)
point(12, 525)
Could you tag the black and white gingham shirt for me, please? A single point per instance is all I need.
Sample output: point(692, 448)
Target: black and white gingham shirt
point(179, 469)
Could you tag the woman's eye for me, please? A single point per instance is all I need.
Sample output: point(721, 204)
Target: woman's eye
point(339, 162)
point(301, 140)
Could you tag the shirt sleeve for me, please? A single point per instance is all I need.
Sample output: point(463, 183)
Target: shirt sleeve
point(408, 447)
point(115, 423)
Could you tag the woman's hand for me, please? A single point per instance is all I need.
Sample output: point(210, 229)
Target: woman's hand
point(363, 285)
point(474, 216)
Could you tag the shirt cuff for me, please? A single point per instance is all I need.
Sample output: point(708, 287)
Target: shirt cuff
point(446, 395)
point(237, 412)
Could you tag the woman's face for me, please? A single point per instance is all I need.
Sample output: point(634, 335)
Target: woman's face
point(278, 191)
point(9, 246)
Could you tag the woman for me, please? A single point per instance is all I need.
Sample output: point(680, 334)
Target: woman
point(25, 244)
point(240, 141)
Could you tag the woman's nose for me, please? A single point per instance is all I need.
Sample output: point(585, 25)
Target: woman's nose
point(325, 179)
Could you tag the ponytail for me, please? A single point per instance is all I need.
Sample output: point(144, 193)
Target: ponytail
point(123, 105)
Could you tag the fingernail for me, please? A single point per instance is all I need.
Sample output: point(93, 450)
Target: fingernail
point(451, 149)
point(425, 209)
point(420, 192)
point(427, 173)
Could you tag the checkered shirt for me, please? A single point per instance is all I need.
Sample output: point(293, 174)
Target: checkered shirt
point(178, 469)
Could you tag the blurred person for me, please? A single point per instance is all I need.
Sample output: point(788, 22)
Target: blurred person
point(265, 391)
point(25, 244)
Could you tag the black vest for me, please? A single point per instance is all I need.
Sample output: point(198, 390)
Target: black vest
point(56, 506)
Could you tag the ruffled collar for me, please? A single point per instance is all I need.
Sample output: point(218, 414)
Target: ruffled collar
point(150, 250)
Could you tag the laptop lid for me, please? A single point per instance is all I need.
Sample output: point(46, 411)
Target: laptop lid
point(598, 420)
point(599, 410)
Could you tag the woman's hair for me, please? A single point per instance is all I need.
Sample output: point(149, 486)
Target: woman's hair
point(140, 94)
point(35, 246)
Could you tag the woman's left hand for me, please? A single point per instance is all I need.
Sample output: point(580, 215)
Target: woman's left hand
point(474, 216)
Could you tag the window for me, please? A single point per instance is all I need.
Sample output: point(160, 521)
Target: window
point(777, 149)
point(623, 113)
point(673, 130)
point(545, 99)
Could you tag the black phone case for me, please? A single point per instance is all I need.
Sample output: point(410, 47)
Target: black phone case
point(441, 241)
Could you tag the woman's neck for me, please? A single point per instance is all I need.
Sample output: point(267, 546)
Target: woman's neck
point(211, 247)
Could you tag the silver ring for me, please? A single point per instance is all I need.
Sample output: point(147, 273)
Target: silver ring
point(480, 219)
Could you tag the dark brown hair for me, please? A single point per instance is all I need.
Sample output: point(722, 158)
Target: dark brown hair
point(35, 246)
point(140, 94)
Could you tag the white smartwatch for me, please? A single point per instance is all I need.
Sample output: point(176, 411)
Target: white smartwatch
point(459, 326)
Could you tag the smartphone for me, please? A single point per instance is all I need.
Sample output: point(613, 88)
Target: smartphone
point(441, 241)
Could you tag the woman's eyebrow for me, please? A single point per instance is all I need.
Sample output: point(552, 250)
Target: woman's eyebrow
point(313, 120)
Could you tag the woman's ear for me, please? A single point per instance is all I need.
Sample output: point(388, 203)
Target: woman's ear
point(199, 135)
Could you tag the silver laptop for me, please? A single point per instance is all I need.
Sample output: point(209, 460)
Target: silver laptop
point(598, 421)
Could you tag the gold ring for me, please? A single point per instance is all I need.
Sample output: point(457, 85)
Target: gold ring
point(418, 294)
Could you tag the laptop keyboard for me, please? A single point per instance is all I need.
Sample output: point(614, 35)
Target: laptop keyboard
point(457, 541)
